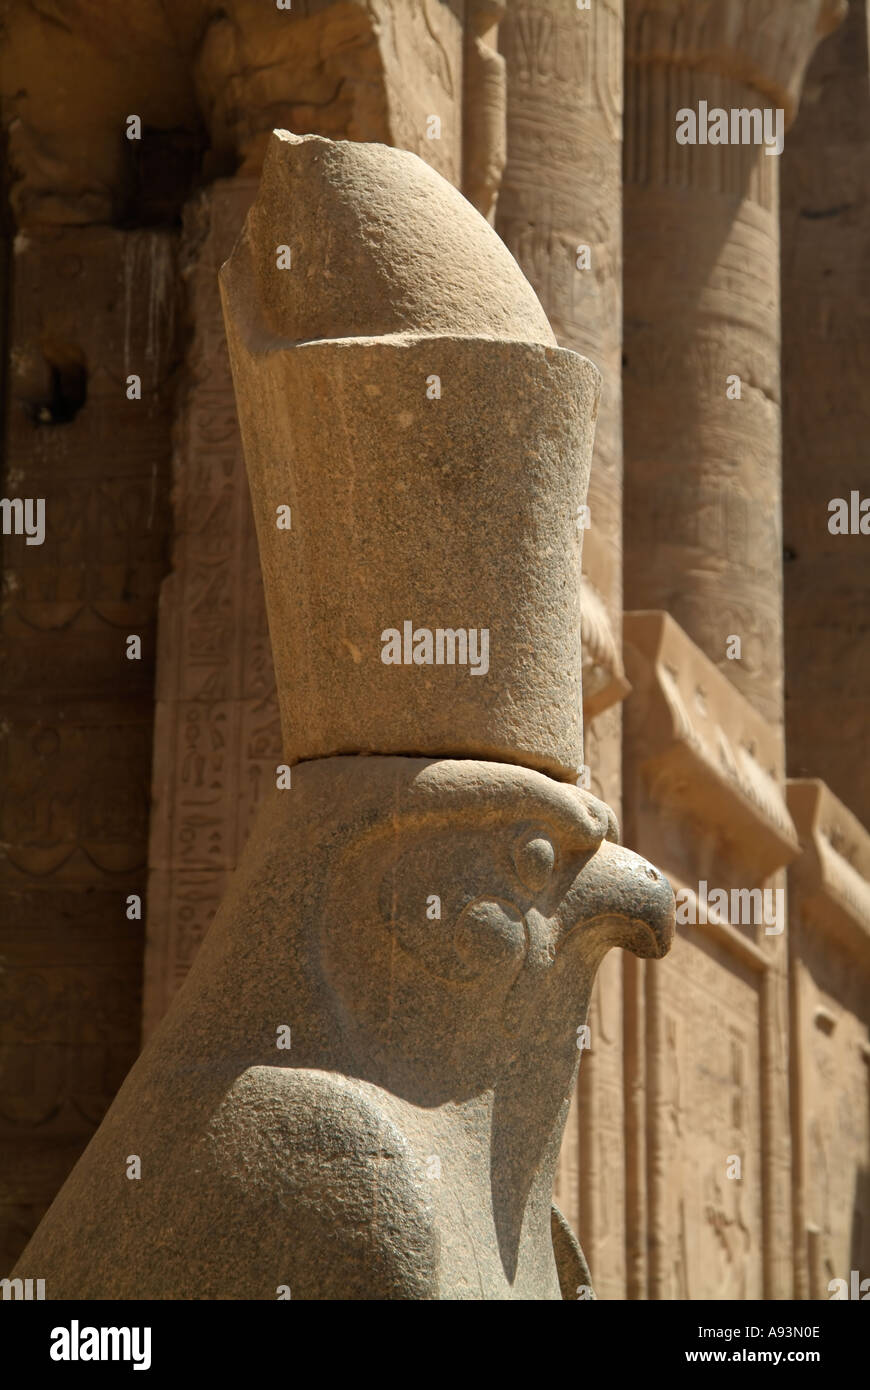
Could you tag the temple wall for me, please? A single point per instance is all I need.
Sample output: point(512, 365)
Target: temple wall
point(715, 1176)
point(830, 1004)
point(90, 306)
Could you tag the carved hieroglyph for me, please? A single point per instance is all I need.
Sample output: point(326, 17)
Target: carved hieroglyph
point(361, 1087)
point(216, 728)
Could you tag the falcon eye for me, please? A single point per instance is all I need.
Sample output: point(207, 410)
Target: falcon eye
point(533, 861)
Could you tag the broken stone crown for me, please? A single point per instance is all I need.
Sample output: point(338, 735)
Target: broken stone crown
point(421, 526)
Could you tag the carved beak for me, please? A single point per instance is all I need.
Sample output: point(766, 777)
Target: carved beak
point(618, 899)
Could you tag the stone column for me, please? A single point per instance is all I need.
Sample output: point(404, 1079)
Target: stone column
point(703, 494)
point(560, 213)
point(826, 415)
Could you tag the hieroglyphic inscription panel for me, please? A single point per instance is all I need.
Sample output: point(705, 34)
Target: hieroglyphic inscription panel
point(217, 738)
point(707, 1114)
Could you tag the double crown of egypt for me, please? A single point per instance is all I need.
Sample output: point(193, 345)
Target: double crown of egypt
point(405, 1146)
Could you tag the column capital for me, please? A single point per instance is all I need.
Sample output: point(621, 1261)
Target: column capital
point(765, 44)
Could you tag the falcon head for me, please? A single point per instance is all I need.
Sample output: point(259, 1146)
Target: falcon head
point(467, 920)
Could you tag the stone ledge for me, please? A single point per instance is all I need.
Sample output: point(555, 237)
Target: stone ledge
point(831, 879)
point(716, 926)
point(701, 749)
